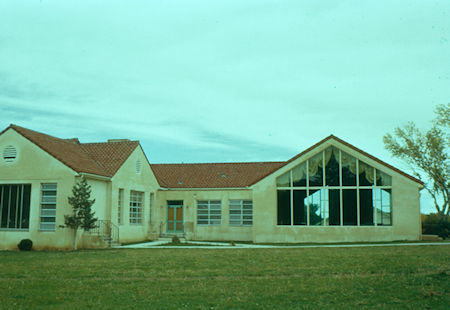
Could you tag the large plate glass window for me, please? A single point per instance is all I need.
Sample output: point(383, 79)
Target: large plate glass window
point(333, 188)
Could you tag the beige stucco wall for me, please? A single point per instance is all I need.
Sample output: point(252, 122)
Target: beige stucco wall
point(34, 166)
point(192, 230)
point(129, 180)
point(405, 208)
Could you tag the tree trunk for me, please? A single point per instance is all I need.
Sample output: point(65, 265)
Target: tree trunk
point(74, 244)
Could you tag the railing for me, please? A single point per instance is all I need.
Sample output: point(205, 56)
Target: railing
point(107, 230)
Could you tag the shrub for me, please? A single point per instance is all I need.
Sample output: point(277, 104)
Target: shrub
point(436, 224)
point(175, 240)
point(25, 245)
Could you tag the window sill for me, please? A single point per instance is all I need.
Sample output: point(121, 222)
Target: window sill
point(14, 229)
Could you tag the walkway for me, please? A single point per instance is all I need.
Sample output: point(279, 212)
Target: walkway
point(223, 245)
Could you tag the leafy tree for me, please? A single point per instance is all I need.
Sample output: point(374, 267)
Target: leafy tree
point(83, 216)
point(428, 155)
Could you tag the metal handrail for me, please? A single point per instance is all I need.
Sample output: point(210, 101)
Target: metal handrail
point(105, 228)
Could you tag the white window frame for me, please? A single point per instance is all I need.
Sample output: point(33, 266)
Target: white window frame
point(48, 207)
point(120, 206)
point(375, 187)
point(209, 212)
point(241, 212)
point(136, 207)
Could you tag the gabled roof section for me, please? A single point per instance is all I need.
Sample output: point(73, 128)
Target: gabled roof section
point(110, 155)
point(212, 175)
point(332, 137)
point(237, 175)
point(103, 159)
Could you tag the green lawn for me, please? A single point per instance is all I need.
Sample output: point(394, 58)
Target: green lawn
point(410, 277)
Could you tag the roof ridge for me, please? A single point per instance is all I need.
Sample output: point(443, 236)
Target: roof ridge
point(115, 142)
point(223, 163)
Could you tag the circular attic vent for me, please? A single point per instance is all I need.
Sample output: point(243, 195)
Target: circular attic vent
point(138, 166)
point(9, 154)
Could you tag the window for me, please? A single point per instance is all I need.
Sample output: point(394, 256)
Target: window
point(136, 207)
point(120, 206)
point(209, 212)
point(15, 206)
point(241, 212)
point(334, 188)
point(48, 207)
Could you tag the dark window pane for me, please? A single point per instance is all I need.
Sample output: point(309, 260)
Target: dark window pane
point(284, 207)
point(13, 208)
point(300, 211)
point(315, 170)
point(366, 177)
point(334, 203)
point(5, 206)
point(350, 206)
point(348, 169)
point(299, 175)
point(332, 167)
point(383, 179)
point(365, 207)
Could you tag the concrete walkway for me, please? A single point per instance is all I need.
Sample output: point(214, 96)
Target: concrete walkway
point(222, 245)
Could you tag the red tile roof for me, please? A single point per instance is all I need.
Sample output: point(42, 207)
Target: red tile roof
point(102, 159)
point(105, 159)
point(212, 175)
point(236, 175)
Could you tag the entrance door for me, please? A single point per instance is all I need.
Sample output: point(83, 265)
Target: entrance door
point(175, 216)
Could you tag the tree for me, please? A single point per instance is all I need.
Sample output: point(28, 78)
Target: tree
point(83, 216)
point(428, 155)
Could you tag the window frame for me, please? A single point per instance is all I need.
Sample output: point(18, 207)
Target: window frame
point(326, 188)
point(137, 203)
point(210, 213)
point(52, 202)
point(238, 206)
point(16, 210)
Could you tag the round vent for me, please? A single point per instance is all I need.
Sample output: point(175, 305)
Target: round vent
point(138, 166)
point(9, 153)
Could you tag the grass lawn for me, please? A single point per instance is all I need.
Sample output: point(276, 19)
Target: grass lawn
point(412, 277)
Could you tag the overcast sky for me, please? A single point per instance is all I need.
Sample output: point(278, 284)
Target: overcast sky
point(220, 81)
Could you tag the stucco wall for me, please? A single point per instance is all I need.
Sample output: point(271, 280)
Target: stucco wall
point(192, 230)
point(129, 180)
point(405, 211)
point(34, 166)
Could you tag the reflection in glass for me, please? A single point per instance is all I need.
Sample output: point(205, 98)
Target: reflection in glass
point(318, 207)
point(332, 166)
point(315, 170)
point(284, 180)
point(383, 179)
point(299, 175)
point(383, 206)
point(348, 170)
point(366, 177)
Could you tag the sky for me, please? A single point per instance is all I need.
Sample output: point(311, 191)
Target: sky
point(224, 80)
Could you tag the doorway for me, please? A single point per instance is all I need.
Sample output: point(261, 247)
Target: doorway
point(175, 216)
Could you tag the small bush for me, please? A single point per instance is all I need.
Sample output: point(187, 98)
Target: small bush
point(436, 224)
point(232, 243)
point(25, 245)
point(175, 239)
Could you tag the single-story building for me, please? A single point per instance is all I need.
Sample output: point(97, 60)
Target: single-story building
point(331, 192)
